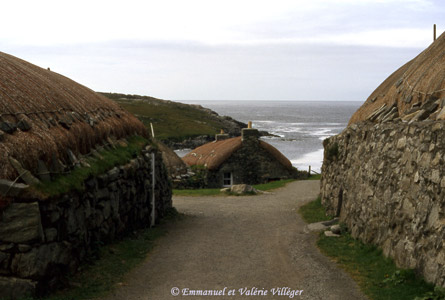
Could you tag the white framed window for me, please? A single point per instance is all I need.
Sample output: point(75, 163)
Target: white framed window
point(227, 179)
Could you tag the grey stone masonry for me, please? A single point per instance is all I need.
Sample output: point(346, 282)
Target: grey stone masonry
point(387, 184)
point(42, 240)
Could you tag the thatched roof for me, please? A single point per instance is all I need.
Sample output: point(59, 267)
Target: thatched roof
point(412, 93)
point(213, 154)
point(174, 164)
point(43, 114)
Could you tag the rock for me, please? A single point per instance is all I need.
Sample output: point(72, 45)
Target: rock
point(401, 143)
point(24, 248)
point(336, 229)
point(224, 190)
point(24, 174)
point(39, 261)
point(4, 262)
point(331, 234)
point(9, 188)
point(50, 234)
point(16, 288)
point(65, 122)
point(441, 115)
point(73, 159)
point(242, 189)
point(330, 222)
point(8, 127)
point(2, 136)
point(6, 247)
point(23, 125)
point(43, 172)
point(319, 226)
point(21, 223)
point(57, 167)
point(113, 174)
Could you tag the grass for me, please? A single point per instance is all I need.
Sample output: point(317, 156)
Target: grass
point(101, 276)
point(377, 276)
point(216, 192)
point(171, 120)
point(75, 179)
point(314, 212)
point(315, 177)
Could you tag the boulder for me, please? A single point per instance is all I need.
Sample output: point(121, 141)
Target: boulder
point(8, 127)
point(11, 189)
point(331, 234)
point(336, 229)
point(242, 189)
point(23, 125)
point(24, 174)
point(41, 261)
point(15, 288)
point(21, 223)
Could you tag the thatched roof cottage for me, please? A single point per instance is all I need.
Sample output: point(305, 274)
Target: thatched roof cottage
point(384, 175)
point(43, 114)
point(53, 131)
point(244, 159)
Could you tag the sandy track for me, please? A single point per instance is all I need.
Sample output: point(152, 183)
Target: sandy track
point(236, 243)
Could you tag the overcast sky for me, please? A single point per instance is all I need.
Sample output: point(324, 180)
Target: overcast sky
point(223, 50)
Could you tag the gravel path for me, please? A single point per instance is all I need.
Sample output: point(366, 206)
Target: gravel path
point(254, 243)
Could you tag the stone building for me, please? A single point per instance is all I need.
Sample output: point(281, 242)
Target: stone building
point(244, 159)
point(384, 175)
point(51, 126)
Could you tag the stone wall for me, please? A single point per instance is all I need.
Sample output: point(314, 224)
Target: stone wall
point(387, 184)
point(40, 241)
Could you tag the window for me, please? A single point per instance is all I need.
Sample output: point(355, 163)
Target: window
point(227, 179)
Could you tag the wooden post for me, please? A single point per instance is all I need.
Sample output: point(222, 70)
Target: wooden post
point(152, 130)
point(249, 124)
point(434, 32)
point(153, 193)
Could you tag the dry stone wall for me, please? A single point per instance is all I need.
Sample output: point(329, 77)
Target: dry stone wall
point(387, 184)
point(40, 241)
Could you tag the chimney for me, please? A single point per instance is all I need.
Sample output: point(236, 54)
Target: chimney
point(249, 133)
point(221, 136)
point(434, 32)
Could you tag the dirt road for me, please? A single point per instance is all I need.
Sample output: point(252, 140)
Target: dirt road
point(240, 246)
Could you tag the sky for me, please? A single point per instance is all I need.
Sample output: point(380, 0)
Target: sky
point(223, 50)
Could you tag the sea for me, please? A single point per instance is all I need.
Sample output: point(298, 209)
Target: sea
point(299, 126)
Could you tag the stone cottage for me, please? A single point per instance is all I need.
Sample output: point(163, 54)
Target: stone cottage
point(384, 175)
point(51, 126)
point(244, 159)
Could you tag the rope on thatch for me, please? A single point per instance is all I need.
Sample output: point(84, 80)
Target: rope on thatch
point(13, 182)
point(423, 93)
point(421, 76)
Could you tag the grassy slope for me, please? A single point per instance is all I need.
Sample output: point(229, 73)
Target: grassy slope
point(171, 120)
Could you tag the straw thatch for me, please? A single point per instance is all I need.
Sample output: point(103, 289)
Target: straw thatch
point(212, 155)
point(174, 164)
point(55, 114)
point(412, 90)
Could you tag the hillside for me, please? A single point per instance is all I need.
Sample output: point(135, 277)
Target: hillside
point(176, 124)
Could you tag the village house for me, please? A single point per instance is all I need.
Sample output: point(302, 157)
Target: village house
point(384, 175)
point(240, 160)
point(51, 218)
